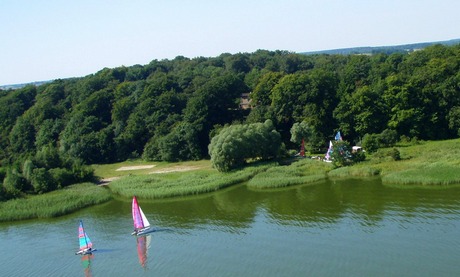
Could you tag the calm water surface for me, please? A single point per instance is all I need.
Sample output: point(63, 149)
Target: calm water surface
point(342, 228)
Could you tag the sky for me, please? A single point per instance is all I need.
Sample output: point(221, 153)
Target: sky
point(52, 39)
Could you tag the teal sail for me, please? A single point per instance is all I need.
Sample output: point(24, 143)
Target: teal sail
point(85, 243)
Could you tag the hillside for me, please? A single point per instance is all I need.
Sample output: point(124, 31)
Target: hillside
point(169, 110)
point(367, 50)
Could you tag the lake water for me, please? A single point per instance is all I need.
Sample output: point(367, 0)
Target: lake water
point(337, 228)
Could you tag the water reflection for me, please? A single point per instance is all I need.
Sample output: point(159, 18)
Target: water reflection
point(86, 261)
point(367, 202)
point(143, 245)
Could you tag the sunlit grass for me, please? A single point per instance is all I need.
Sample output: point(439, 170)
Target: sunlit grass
point(113, 170)
point(433, 174)
point(173, 184)
point(428, 163)
point(300, 172)
point(358, 170)
point(54, 203)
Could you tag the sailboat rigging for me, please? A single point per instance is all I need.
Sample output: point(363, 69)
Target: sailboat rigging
point(141, 223)
point(86, 246)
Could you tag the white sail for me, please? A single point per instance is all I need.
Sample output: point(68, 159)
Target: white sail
point(144, 219)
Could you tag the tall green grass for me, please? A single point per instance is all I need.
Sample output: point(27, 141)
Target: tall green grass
point(54, 203)
point(427, 163)
point(432, 174)
point(354, 171)
point(300, 172)
point(165, 185)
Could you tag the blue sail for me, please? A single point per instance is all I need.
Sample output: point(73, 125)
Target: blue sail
point(83, 239)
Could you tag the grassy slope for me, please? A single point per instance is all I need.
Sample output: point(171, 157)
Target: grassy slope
point(428, 163)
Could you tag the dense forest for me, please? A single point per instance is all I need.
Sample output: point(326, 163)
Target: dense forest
point(171, 109)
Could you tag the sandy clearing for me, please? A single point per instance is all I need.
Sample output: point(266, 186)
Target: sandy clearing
point(137, 167)
point(175, 169)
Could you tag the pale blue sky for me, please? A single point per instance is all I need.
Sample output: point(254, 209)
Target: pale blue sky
point(50, 39)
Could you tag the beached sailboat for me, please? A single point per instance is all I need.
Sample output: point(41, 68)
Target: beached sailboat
point(86, 246)
point(141, 224)
point(327, 157)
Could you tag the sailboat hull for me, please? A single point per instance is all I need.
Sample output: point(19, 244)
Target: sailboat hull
point(85, 252)
point(142, 231)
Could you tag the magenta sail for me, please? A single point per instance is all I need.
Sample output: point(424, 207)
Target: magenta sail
point(141, 224)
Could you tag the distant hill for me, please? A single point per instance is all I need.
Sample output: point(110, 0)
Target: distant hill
point(405, 48)
point(16, 86)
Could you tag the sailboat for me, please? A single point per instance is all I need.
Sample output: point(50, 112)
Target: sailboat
point(327, 157)
point(86, 246)
point(141, 224)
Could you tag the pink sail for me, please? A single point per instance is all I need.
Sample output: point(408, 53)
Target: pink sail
point(137, 218)
point(141, 224)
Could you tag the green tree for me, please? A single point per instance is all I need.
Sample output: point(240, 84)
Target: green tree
point(303, 131)
point(341, 154)
point(215, 103)
point(237, 143)
point(261, 95)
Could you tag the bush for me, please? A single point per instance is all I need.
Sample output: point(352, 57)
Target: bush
point(358, 156)
point(395, 154)
point(388, 154)
point(62, 177)
point(13, 184)
point(341, 154)
point(371, 142)
point(388, 137)
point(42, 181)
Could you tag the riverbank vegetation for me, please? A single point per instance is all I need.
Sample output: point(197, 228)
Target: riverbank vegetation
point(430, 164)
point(54, 203)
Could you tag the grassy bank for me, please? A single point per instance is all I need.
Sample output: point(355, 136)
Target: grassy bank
point(428, 164)
point(172, 184)
point(299, 172)
point(54, 203)
point(434, 163)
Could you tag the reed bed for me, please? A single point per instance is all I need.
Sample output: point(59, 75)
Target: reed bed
point(305, 171)
point(54, 203)
point(433, 174)
point(354, 171)
point(166, 185)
